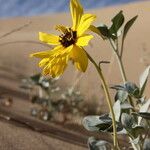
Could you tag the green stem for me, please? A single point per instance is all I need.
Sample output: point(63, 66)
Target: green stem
point(121, 67)
point(115, 48)
point(121, 51)
point(108, 98)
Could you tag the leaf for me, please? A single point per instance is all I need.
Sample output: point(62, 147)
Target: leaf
point(137, 130)
point(97, 123)
point(143, 79)
point(104, 31)
point(35, 78)
point(126, 106)
point(44, 83)
point(136, 140)
point(144, 108)
point(121, 96)
point(94, 144)
point(127, 27)
point(118, 87)
point(132, 89)
point(127, 121)
point(117, 22)
point(146, 145)
point(91, 122)
point(144, 115)
point(117, 110)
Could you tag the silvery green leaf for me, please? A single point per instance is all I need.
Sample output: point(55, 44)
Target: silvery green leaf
point(144, 78)
point(136, 140)
point(94, 144)
point(123, 131)
point(126, 106)
point(117, 110)
point(132, 89)
point(90, 123)
point(121, 95)
point(98, 123)
point(127, 121)
point(144, 108)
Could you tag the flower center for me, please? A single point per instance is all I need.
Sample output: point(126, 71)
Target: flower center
point(68, 38)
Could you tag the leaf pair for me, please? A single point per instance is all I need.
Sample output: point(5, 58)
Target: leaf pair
point(114, 31)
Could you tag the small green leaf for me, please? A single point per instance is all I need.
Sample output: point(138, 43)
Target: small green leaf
point(143, 79)
point(127, 27)
point(104, 31)
point(117, 22)
point(36, 78)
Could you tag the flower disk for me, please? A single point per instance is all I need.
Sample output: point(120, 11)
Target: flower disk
point(68, 38)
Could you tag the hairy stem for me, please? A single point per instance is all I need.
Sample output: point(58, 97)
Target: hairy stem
point(108, 98)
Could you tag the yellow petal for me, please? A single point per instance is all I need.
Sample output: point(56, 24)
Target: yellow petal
point(43, 54)
point(57, 62)
point(49, 38)
point(95, 30)
point(44, 62)
point(61, 28)
point(85, 23)
point(47, 53)
point(80, 58)
point(76, 12)
point(84, 40)
point(59, 67)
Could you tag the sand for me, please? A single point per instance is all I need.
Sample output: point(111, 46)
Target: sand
point(15, 50)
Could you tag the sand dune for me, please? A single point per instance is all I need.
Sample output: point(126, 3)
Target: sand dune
point(16, 47)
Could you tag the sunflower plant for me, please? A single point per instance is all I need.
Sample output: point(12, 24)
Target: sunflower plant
point(129, 109)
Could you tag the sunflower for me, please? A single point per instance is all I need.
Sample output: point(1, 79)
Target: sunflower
point(69, 45)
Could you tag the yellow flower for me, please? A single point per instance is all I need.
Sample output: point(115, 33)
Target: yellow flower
point(69, 45)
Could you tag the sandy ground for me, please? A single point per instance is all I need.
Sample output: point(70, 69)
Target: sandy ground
point(16, 138)
point(14, 58)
